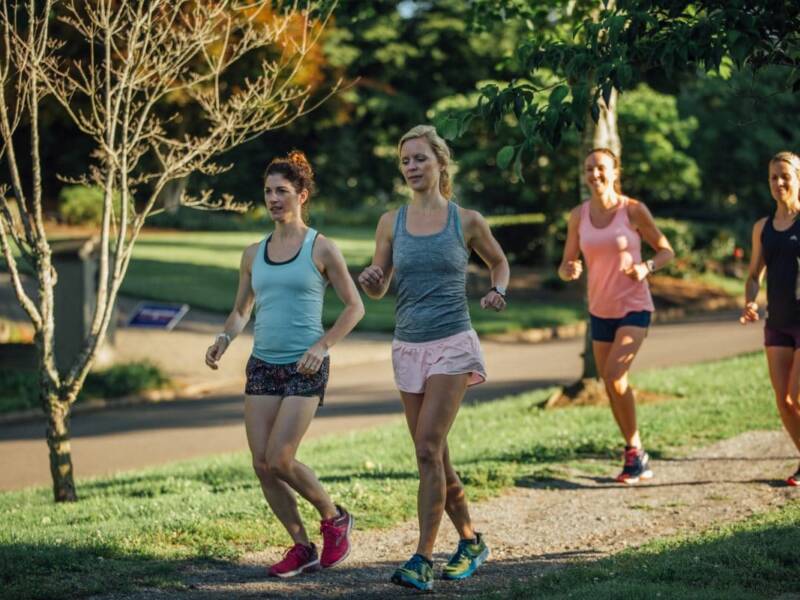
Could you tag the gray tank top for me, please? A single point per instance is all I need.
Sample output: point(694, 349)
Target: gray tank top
point(431, 275)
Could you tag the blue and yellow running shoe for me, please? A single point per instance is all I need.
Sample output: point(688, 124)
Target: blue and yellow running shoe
point(467, 558)
point(416, 573)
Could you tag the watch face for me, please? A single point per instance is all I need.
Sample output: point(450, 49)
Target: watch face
point(500, 290)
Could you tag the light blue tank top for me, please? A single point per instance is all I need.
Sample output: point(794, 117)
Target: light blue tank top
point(288, 306)
point(431, 276)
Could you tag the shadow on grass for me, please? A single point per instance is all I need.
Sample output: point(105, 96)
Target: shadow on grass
point(535, 481)
point(750, 560)
point(725, 458)
point(600, 483)
point(52, 571)
point(226, 409)
point(755, 559)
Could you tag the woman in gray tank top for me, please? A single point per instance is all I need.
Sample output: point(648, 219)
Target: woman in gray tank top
point(435, 353)
point(284, 276)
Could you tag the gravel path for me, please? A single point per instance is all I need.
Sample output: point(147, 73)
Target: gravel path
point(540, 525)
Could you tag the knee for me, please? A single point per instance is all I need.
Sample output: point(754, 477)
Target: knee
point(429, 453)
point(262, 470)
point(616, 381)
point(279, 466)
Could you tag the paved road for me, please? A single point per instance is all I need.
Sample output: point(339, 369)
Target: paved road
point(361, 394)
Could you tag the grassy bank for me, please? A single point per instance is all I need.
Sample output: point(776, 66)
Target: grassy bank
point(140, 528)
point(756, 558)
point(202, 270)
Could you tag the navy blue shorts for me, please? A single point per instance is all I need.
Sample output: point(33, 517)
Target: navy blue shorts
point(604, 330)
point(786, 337)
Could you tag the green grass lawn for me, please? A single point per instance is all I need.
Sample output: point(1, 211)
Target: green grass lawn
point(202, 270)
point(755, 558)
point(140, 528)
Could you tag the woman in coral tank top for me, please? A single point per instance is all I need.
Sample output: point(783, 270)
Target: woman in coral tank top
point(608, 230)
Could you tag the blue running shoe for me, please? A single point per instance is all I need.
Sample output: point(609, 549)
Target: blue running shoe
point(416, 573)
point(467, 558)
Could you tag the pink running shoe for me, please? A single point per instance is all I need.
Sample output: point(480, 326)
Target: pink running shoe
point(335, 538)
point(297, 559)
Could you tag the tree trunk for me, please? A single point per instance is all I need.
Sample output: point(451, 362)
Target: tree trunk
point(603, 134)
point(58, 442)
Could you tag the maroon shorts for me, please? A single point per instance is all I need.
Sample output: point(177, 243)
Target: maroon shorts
point(268, 379)
point(787, 337)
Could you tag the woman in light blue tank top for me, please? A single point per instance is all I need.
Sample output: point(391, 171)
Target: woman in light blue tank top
point(284, 277)
point(435, 353)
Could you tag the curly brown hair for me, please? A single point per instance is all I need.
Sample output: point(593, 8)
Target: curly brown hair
point(297, 170)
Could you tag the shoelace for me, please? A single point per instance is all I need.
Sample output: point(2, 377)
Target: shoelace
point(330, 533)
point(414, 563)
point(461, 551)
point(297, 550)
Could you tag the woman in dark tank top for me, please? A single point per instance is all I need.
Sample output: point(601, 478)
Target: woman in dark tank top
point(435, 353)
point(776, 250)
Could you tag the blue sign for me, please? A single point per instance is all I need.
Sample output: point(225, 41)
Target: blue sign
point(157, 316)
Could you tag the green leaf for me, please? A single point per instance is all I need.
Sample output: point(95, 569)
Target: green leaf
point(607, 88)
point(518, 166)
point(595, 112)
point(449, 128)
point(558, 94)
point(505, 155)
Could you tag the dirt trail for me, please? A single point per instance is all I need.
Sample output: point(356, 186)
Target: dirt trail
point(538, 526)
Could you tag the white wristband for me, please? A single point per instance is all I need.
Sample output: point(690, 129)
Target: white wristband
point(225, 336)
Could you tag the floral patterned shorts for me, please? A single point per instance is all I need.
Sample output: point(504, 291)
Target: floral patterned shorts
point(268, 379)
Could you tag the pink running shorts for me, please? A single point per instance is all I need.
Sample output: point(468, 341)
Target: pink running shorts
point(414, 362)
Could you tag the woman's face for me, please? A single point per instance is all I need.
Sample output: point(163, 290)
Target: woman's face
point(599, 172)
point(783, 182)
point(282, 199)
point(419, 165)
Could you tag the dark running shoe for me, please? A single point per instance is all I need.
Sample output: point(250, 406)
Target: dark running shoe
point(637, 466)
point(794, 480)
point(416, 573)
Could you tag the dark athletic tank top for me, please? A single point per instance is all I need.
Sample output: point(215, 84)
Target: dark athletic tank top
point(781, 250)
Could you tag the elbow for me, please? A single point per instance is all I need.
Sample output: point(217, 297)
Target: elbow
point(242, 314)
point(500, 264)
point(358, 311)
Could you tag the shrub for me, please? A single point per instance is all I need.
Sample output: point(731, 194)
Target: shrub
point(19, 389)
point(125, 379)
point(83, 205)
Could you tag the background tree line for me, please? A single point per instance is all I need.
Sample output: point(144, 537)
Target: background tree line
point(695, 147)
